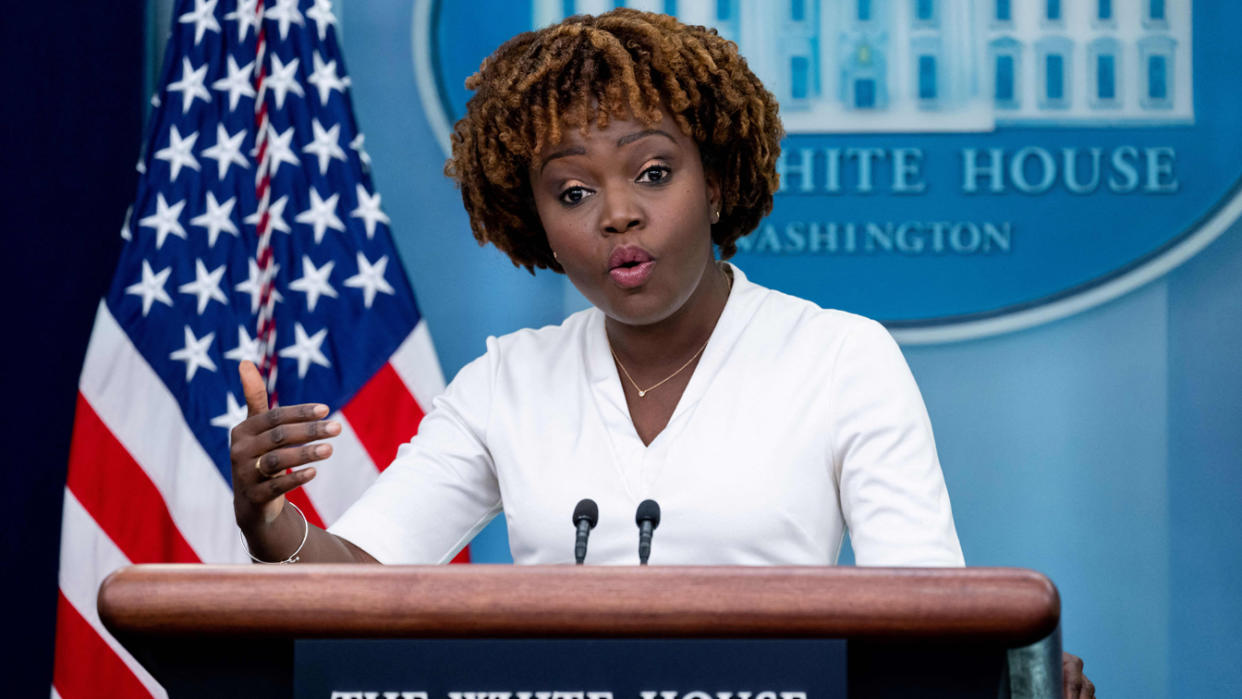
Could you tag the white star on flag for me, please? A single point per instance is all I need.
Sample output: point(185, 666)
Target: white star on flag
point(278, 149)
point(368, 210)
point(151, 288)
point(247, 348)
point(285, 12)
point(233, 415)
point(218, 217)
point(326, 145)
point(314, 281)
point(275, 216)
point(179, 152)
point(325, 79)
point(370, 278)
point(194, 354)
point(203, 17)
point(237, 83)
point(321, 215)
point(283, 80)
point(306, 349)
point(254, 286)
point(357, 146)
point(246, 17)
point(227, 151)
point(322, 14)
point(191, 84)
point(206, 286)
point(165, 220)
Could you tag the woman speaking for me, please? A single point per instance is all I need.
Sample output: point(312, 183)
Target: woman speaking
point(630, 152)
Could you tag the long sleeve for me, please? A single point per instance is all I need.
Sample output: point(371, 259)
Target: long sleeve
point(441, 489)
point(892, 491)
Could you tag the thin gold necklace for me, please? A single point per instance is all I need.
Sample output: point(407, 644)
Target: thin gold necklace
point(642, 392)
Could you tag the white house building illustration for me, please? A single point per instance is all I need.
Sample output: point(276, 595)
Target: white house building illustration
point(951, 65)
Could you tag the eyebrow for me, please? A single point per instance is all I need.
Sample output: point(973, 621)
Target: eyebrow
point(623, 141)
point(630, 138)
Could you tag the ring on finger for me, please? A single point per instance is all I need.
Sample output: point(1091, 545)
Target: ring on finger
point(258, 466)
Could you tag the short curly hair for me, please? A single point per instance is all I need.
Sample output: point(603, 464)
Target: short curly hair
point(617, 65)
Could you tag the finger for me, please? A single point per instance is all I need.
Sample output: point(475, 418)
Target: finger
point(303, 412)
point(1088, 689)
point(273, 462)
point(272, 488)
point(253, 388)
point(291, 433)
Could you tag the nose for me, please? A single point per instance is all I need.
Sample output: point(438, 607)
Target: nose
point(622, 211)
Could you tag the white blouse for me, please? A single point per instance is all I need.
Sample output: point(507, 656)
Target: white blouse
point(796, 423)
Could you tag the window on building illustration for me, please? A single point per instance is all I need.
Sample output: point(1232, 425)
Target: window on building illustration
point(1003, 12)
point(1054, 77)
point(925, 10)
point(670, 7)
point(1106, 77)
point(1104, 10)
point(724, 10)
point(1157, 78)
point(864, 93)
point(864, 10)
point(1005, 92)
point(799, 77)
point(1155, 10)
point(1053, 10)
point(797, 10)
point(927, 77)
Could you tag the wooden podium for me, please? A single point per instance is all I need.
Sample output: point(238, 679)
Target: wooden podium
point(230, 631)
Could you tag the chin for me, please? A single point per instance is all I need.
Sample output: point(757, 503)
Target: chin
point(638, 308)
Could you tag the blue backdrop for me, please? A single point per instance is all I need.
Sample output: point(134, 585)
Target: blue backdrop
point(1103, 449)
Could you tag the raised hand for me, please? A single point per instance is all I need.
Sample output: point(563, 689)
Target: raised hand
point(266, 445)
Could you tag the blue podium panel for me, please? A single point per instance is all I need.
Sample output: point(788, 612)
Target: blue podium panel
point(570, 669)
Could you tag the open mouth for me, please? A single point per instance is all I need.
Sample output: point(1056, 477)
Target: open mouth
point(630, 266)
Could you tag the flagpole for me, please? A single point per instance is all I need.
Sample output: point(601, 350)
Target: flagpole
point(266, 331)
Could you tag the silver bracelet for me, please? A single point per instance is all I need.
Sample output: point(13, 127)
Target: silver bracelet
point(293, 557)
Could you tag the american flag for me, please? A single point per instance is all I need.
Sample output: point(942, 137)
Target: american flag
point(254, 201)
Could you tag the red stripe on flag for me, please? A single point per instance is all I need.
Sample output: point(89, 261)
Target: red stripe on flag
point(298, 497)
point(384, 415)
point(85, 665)
point(119, 495)
point(462, 557)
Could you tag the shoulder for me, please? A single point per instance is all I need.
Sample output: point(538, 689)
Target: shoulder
point(800, 322)
point(545, 344)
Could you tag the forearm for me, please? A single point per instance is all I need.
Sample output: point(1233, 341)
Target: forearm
point(278, 541)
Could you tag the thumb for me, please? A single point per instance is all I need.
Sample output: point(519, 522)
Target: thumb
point(253, 388)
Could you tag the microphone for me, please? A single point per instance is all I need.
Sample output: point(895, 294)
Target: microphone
point(586, 516)
point(648, 518)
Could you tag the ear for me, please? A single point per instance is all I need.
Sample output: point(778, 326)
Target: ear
point(714, 197)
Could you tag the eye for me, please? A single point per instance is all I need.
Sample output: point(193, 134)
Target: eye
point(655, 174)
point(574, 195)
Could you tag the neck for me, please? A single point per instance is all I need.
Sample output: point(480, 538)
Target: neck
point(652, 348)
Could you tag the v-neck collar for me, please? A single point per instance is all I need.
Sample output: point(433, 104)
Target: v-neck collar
point(605, 381)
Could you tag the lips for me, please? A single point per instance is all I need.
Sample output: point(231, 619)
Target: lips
point(630, 266)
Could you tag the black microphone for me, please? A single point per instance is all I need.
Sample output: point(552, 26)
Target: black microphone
point(586, 515)
point(648, 518)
